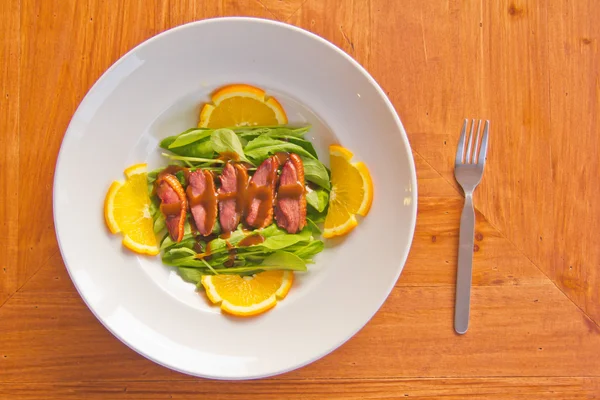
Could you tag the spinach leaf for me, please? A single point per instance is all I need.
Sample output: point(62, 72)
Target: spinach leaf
point(285, 260)
point(226, 141)
point(309, 250)
point(262, 147)
point(313, 226)
point(280, 260)
point(166, 142)
point(193, 275)
point(282, 241)
point(200, 149)
point(273, 131)
point(180, 175)
point(190, 136)
point(305, 144)
point(315, 172)
point(318, 199)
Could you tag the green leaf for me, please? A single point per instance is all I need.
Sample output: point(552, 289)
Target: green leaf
point(273, 131)
point(282, 241)
point(202, 149)
point(166, 142)
point(271, 230)
point(226, 141)
point(318, 199)
point(262, 147)
point(313, 226)
point(315, 172)
point(310, 250)
point(280, 260)
point(190, 136)
point(305, 144)
point(285, 260)
point(178, 256)
point(193, 275)
point(180, 175)
point(159, 223)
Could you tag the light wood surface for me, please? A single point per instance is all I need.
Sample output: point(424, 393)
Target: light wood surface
point(531, 67)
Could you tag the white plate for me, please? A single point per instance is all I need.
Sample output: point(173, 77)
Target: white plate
point(154, 91)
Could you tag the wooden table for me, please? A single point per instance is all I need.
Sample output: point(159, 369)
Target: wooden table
point(531, 67)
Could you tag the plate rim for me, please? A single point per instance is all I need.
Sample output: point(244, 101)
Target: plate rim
point(413, 181)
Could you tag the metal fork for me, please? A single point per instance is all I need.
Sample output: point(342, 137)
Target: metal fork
point(468, 169)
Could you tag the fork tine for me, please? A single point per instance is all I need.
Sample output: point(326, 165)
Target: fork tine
point(476, 143)
point(469, 156)
point(484, 143)
point(461, 144)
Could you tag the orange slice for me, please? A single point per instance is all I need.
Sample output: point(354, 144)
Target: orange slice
point(127, 210)
point(351, 192)
point(241, 105)
point(246, 296)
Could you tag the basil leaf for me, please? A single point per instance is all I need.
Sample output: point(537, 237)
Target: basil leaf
point(315, 172)
point(190, 136)
point(226, 141)
point(318, 199)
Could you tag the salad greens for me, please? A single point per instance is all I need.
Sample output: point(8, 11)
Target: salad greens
point(195, 256)
point(197, 148)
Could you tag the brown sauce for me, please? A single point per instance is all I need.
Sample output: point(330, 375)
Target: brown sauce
point(231, 255)
point(229, 156)
point(251, 240)
point(171, 210)
point(265, 195)
point(242, 187)
point(173, 169)
point(198, 248)
point(282, 157)
point(290, 191)
point(207, 199)
point(227, 196)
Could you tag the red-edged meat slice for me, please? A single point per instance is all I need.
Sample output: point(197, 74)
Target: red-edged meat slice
point(290, 209)
point(261, 193)
point(231, 194)
point(171, 205)
point(203, 201)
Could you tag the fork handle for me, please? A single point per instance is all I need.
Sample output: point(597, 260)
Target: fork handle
point(465, 266)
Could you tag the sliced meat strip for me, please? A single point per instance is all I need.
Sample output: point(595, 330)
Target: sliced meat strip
point(261, 193)
point(173, 204)
point(231, 195)
point(203, 200)
point(290, 208)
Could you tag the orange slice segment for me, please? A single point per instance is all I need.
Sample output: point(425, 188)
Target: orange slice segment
point(241, 105)
point(351, 192)
point(246, 296)
point(126, 210)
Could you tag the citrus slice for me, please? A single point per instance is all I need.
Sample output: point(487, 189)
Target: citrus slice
point(241, 105)
point(246, 296)
point(127, 210)
point(351, 192)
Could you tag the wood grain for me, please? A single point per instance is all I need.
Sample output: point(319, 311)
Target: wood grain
point(450, 389)
point(11, 277)
point(531, 67)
